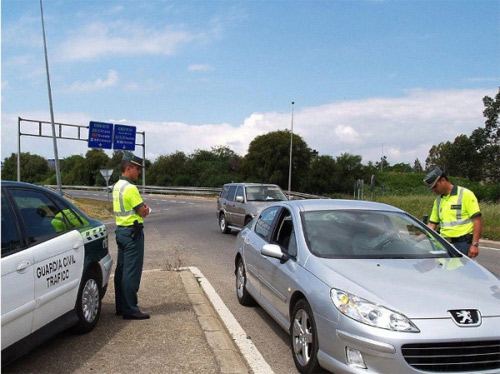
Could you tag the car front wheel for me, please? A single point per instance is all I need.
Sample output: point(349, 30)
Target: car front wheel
point(88, 304)
point(244, 298)
point(223, 224)
point(304, 338)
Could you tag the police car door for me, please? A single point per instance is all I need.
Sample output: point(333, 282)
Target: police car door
point(58, 252)
point(17, 279)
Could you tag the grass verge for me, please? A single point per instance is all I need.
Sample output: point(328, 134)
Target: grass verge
point(97, 209)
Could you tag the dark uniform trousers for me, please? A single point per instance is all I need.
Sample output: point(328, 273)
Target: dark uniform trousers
point(128, 269)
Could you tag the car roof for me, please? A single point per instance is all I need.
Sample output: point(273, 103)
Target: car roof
point(250, 184)
point(338, 204)
point(22, 184)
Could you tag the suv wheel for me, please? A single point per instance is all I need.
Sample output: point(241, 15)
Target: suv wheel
point(223, 224)
point(88, 304)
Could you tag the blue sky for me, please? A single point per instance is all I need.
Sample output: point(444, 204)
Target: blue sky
point(366, 76)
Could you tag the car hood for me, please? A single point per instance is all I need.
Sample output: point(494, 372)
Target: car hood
point(418, 288)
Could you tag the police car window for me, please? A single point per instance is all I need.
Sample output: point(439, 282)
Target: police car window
point(67, 219)
point(11, 242)
point(264, 223)
point(42, 217)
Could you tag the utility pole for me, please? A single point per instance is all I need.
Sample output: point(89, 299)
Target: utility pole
point(290, 162)
point(54, 141)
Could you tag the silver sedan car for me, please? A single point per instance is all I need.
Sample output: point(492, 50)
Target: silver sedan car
point(366, 288)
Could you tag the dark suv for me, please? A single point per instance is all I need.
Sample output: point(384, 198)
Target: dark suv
point(238, 203)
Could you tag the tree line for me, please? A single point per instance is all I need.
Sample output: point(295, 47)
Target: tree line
point(475, 157)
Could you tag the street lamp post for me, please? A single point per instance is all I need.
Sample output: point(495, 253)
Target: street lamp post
point(54, 141)
point(290, 162)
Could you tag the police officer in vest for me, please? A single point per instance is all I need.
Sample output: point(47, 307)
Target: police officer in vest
point(129, 211)
point(457, 213)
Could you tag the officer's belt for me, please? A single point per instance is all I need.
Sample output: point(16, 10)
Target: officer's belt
point(125, 226)
point(463, 238)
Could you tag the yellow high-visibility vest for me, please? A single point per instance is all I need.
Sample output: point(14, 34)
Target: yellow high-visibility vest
point(455, 212)
point(126, 199)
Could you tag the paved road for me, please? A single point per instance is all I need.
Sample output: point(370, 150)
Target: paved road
point(184, 232)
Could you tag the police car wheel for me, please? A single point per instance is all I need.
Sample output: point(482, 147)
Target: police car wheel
point(88, 304)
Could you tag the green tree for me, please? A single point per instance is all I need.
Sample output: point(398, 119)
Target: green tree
point(268, 158)
point(438, 156)
point(87, 170)
point(69, 165)
point(401, 167)
point(463, 159)
point(417, 166)
point(323, 176)
point(169, 170)
point(34, 168)
point(490, 152)
point(351, 170)
point(214, 168)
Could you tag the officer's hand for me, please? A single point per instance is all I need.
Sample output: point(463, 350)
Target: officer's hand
point(143, 211)
point(473, 251)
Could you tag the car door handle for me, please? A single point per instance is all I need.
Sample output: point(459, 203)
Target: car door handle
point(77, 245)
point(23, 265)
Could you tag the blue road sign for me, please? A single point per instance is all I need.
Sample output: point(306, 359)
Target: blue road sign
point(124, 138)
point(100, 135)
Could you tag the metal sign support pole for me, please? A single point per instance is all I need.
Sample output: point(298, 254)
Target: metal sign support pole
point(19, 149)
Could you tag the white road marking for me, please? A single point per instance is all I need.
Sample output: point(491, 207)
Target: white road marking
point(247, 348)
point(492, 248)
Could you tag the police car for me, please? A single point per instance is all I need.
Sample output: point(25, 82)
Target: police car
point(55, 267)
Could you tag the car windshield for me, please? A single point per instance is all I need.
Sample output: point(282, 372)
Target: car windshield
point(370, 234)
point(265, 193)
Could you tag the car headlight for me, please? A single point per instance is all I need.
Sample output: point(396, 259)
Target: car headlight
point(369, 313)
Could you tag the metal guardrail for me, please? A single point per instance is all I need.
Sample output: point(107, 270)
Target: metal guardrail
point(194, 191)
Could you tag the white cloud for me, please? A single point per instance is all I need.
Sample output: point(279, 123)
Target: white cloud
point(99, 39)
point(200, 67)
point(403, 128)
point(98, 84)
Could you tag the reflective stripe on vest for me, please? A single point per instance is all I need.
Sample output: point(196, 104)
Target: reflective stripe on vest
point(123, 212)
point(123, 217)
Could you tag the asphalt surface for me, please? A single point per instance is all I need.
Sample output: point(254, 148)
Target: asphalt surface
point(183, 335)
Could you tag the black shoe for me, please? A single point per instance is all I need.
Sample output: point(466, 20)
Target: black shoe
point(138, 315)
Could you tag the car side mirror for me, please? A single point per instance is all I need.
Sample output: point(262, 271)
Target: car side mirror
point(239, 199)
point(272, 250)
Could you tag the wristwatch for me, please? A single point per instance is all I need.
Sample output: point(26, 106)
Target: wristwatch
point(475, 244)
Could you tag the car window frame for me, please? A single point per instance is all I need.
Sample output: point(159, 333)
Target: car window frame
point(23, 242)
point(267, 238)
point(277, 226)
point(54, 200)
